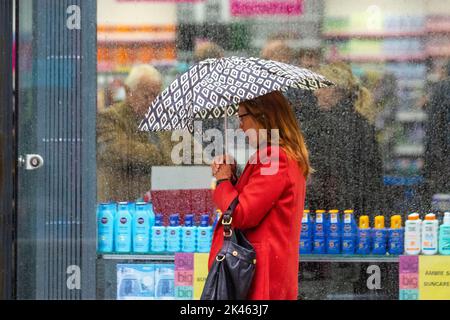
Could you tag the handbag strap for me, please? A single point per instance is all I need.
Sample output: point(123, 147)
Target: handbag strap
point(227, 219)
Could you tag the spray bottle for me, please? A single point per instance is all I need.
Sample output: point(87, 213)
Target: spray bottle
point(396, 235)
point(364, 236)
point(379, 236)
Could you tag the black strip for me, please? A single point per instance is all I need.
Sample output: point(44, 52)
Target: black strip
point(6, 153)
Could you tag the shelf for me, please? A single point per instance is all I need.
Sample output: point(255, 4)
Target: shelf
point(143, 257)
point(347, 258)
point(402, 181)
point(303, 257)
point(376, 35)
point(409, 150)
point(411, 116)
point(383, 58)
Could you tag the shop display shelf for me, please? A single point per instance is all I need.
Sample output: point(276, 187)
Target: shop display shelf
point(303, 257)
point(383, 58)
point(409, 150)
point(402, 181)
point(411, 116)
point(375, 35)
point(347, 258)
point(134, 257)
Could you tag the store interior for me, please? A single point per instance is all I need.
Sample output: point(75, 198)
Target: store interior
point(399, 51)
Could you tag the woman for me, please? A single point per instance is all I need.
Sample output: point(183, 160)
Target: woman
point(271, 193)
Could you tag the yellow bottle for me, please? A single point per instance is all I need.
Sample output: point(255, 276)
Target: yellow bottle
point(396, 236)
point(363, 245)
point(379, 236)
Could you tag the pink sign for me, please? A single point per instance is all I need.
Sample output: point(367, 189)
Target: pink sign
point(160, 0)
point(266, 7)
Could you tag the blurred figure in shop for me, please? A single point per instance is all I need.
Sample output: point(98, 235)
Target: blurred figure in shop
point(344, 151)
point(115, 92)
point(309, 58)
point(278, 50)
point(437, 144)
point(125, 156)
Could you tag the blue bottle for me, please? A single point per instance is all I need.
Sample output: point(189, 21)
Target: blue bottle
point(333, 233)
point(158, 235)
point(306, 235)
point(141, 228)
point(189, 234)
point(348, 232)
point(123, 228)
point(364, 237)
point(319, 233)
point(217, 216)
point(396, 236)
point(379, 236)
point(204, 235)
point(174, 234)
point(105, 227)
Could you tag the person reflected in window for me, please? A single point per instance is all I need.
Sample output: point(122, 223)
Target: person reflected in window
point(309, 58)
point(344, 152)
point(277, 50)
point(125, 156)
point(437, 141)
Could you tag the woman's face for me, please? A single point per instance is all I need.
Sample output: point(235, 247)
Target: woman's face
point(328, 97)
point(249, 125)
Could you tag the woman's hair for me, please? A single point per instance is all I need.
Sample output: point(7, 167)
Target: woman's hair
point(273, 111)
point(342, 76)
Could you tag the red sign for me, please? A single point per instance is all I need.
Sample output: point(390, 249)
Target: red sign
point(266, 7)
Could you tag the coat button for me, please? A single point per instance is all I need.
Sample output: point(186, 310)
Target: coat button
point(235, 253)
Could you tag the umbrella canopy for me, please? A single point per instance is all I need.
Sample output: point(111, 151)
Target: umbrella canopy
point(207, 88)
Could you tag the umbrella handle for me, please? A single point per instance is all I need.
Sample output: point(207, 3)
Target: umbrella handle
point(225, 130)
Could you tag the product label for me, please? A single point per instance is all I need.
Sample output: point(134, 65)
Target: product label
point(319, 218)
point(348, 218)
point(334, 218)
point(305, 218)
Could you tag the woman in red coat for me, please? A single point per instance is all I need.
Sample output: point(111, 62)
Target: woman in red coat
point(271, 192)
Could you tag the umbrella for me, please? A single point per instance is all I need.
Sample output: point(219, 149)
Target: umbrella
point(209, 87)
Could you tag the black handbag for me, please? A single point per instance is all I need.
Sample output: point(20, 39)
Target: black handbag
point(231, 274)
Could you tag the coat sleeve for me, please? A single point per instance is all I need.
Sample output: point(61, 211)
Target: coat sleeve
point(258, 196)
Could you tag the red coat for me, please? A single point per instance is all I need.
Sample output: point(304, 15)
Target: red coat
point(269, 213)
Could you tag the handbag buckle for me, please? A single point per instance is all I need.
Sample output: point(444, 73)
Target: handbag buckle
point(220, 259)
point(230, 232)
point(228, 222)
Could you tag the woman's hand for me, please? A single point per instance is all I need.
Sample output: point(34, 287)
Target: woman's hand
point(224, 172)
point(224, 167)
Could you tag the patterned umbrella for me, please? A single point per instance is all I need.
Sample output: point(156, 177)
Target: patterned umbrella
point(209, 87)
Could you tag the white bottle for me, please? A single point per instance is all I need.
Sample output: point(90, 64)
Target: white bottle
point(413, 234)
point(430, 229)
